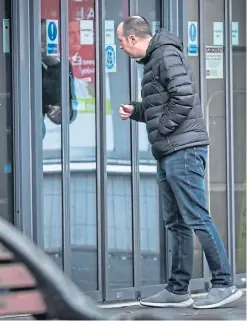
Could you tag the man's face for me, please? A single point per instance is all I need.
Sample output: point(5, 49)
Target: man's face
point(132, 45)
point(74, 36)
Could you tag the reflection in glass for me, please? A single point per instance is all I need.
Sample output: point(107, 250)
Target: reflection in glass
point(216, 113)
point(51, 106)
point(152, 252)
point(240, 125)
point(6, 121)
point(82, 147)
point(191, 13)
point(118, 155)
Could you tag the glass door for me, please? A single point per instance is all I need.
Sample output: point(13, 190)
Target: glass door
point(216, 112)
point(6, 137)
point(118, 155)
point(239, 124)
point(191, 40)
point(152, 237)
point(51, 129)
point(82, 129)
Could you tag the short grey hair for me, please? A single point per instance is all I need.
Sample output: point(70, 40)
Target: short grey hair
point(137, 26)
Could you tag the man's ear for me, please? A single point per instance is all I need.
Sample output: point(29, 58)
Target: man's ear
point(132, 39)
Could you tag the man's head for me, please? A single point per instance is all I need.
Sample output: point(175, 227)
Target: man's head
point(74, 36)
point(134, 35)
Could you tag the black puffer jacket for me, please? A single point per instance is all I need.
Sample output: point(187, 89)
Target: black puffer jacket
point(170, 104)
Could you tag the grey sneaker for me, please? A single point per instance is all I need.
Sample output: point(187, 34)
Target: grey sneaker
point(218, 297)
point(166, 299)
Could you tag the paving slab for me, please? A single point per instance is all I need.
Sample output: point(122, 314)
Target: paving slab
point(235, 311)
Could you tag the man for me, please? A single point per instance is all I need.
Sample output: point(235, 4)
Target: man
point(51, 85)
point(172, 112)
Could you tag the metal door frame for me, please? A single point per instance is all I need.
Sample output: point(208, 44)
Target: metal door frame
point(28, 156)
point(238, 279)
point(137, 291)
point(22, 129)
point(131, 293)
point(27, 118)
point(66, 208)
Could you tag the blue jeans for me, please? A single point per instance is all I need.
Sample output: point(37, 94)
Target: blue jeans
point(182, 188)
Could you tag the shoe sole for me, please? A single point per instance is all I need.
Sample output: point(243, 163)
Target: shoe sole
point(184, 304)
point(237, 295)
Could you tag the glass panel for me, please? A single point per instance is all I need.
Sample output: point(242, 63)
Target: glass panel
point(152, 250)
point(82, 145)
point(191, 14)
point(51, 96)
point(120, 253)
point(240, 124)
point(6, 138)
point(216, 112)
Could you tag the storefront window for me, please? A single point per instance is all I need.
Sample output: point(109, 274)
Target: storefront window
point(82, 145)
point(82, 59)
point(191, 17)
point(240, 125)
point(152, 243)
point(52, 116)
point(120, 241)
point(6, 131)
point(216, 113)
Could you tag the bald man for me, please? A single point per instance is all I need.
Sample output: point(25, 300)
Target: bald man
point(171, 110)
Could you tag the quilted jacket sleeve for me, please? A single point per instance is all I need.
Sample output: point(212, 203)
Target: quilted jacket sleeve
point(73, 98)
point(138, 114)
point(178, 83)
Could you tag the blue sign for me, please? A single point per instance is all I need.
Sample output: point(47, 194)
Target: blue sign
point(110, 52)
point(52, 37)
point(52, 31)
point(193, 50)
point(193, 32)
point(52, 49)
point(192, 38)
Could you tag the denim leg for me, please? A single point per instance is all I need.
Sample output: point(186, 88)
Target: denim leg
point(185, 172)
point(181, 237)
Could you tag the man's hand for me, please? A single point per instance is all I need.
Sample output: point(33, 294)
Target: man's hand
point(54, 110)
point(55, 114)
point(126, 111)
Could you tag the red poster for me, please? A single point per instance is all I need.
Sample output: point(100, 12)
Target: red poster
point(82, 57)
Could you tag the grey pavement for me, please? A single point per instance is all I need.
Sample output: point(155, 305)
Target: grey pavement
point(235, 311)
